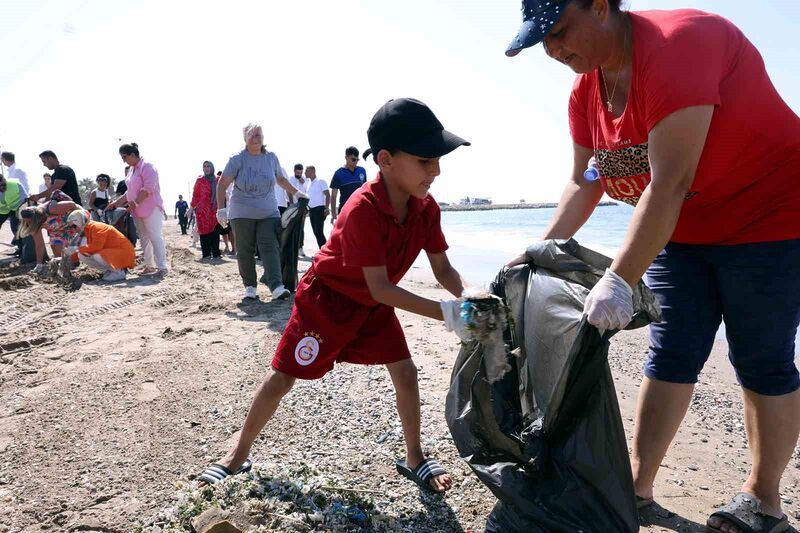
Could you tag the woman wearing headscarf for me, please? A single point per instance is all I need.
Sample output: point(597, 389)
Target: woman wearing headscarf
point(680, 114)
point(204, 206)
point(105, 248)
point(253, 210)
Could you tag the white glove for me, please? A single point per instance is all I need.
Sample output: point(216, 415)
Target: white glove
point(610, 303)
point(451, 310)
point(222, 217)
point(69, 250)
point(298, 195)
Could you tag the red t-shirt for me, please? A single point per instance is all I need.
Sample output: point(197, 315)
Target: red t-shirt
point(368, 234)
point(746, 186)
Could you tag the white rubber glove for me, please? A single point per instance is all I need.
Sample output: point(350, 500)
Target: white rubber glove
point(298, 195)
point(451, 310)
point(222, 217)
point(69, 250)
point(610, 303)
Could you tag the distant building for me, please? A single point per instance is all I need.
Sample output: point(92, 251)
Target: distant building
point(465, 201)
point(481, 201)
point(522, 200)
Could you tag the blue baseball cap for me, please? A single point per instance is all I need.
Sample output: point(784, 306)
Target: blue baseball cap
point(538, 18)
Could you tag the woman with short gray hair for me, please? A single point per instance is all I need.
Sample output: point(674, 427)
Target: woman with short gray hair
point(253, 211)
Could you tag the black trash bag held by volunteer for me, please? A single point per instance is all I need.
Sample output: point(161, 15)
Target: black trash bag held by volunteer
point(547, 436)
point(292, 222)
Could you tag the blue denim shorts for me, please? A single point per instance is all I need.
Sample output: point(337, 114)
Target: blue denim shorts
point(754, 288)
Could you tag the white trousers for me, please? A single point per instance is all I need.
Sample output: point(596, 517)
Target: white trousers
point(96, 262)
point(149, 229)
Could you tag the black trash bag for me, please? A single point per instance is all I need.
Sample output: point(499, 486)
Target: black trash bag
point(547, 437)
point(122, 220)
point(292, 221)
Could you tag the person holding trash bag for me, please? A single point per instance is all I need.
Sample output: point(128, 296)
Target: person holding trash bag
point(253, 210)
point(664, 100)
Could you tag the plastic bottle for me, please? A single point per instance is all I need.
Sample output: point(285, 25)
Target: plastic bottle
point(592, 173)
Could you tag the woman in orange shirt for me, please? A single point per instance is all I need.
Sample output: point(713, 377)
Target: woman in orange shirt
point(106, 249)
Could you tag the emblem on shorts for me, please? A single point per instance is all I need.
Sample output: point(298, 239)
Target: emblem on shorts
point(307, 349)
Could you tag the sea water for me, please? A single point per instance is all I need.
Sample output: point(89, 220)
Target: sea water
point(481, 242)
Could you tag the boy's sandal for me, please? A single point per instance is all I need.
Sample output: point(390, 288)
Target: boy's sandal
point(422, 474)
point(215, 473)
point(744, 512)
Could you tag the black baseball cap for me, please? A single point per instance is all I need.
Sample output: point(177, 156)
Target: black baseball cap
point(409, 125)
point(538, 18)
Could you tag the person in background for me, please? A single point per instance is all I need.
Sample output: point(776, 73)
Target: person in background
point(204, 207)
point(685, 124)
point(253, 210)
point(301, 184)
point(319, 202)
point(280, 195)
point(12, 195)
point(143, 196)
point(106, 249)
point(180, 213)
point(193, 227)
point(52, 217)
point(47, 180)
point(14, 173)
point(346, 181)
point(100, 197)
point(63, 179)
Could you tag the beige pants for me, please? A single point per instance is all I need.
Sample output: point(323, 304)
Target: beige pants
point(96, 262)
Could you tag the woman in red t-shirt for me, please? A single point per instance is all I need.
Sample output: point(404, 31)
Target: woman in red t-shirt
point(684, 123)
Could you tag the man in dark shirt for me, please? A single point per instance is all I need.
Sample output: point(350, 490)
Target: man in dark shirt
point(63, 178)
point(180, 210)
point(347, 180)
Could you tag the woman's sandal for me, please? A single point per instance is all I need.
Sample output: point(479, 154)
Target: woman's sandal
point(215, 473)
point(744, 512)
point(422, 474)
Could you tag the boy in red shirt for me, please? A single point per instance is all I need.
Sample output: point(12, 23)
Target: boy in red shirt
point(344, 308)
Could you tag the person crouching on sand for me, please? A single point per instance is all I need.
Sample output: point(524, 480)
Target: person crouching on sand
point(106, 249)
point(52, 217)
point(380, 232)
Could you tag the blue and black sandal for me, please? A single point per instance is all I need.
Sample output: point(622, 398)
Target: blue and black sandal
point(215, 473)
point(422, 474)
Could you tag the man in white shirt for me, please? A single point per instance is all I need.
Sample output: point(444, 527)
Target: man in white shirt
point(319, 203)
point(301, 184)
point(14, 173)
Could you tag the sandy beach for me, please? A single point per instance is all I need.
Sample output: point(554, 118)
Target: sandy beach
point(113, 397)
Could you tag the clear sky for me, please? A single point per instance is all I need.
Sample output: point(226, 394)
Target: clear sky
point(181, 78)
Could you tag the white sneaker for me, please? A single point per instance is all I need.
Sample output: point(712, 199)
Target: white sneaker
point(114, 275)
point(250, 293)
point(280, 293)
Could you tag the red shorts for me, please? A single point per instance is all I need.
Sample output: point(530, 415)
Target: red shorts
point(327, 327)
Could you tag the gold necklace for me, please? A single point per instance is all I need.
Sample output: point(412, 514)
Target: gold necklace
point(614, 91)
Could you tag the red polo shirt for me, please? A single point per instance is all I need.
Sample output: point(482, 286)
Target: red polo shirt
point(368, 234)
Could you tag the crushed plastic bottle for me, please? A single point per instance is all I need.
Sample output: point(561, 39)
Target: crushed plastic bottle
point(592, 173)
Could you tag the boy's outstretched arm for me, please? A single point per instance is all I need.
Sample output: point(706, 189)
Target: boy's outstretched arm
point(385, 292)
point(445, 274)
